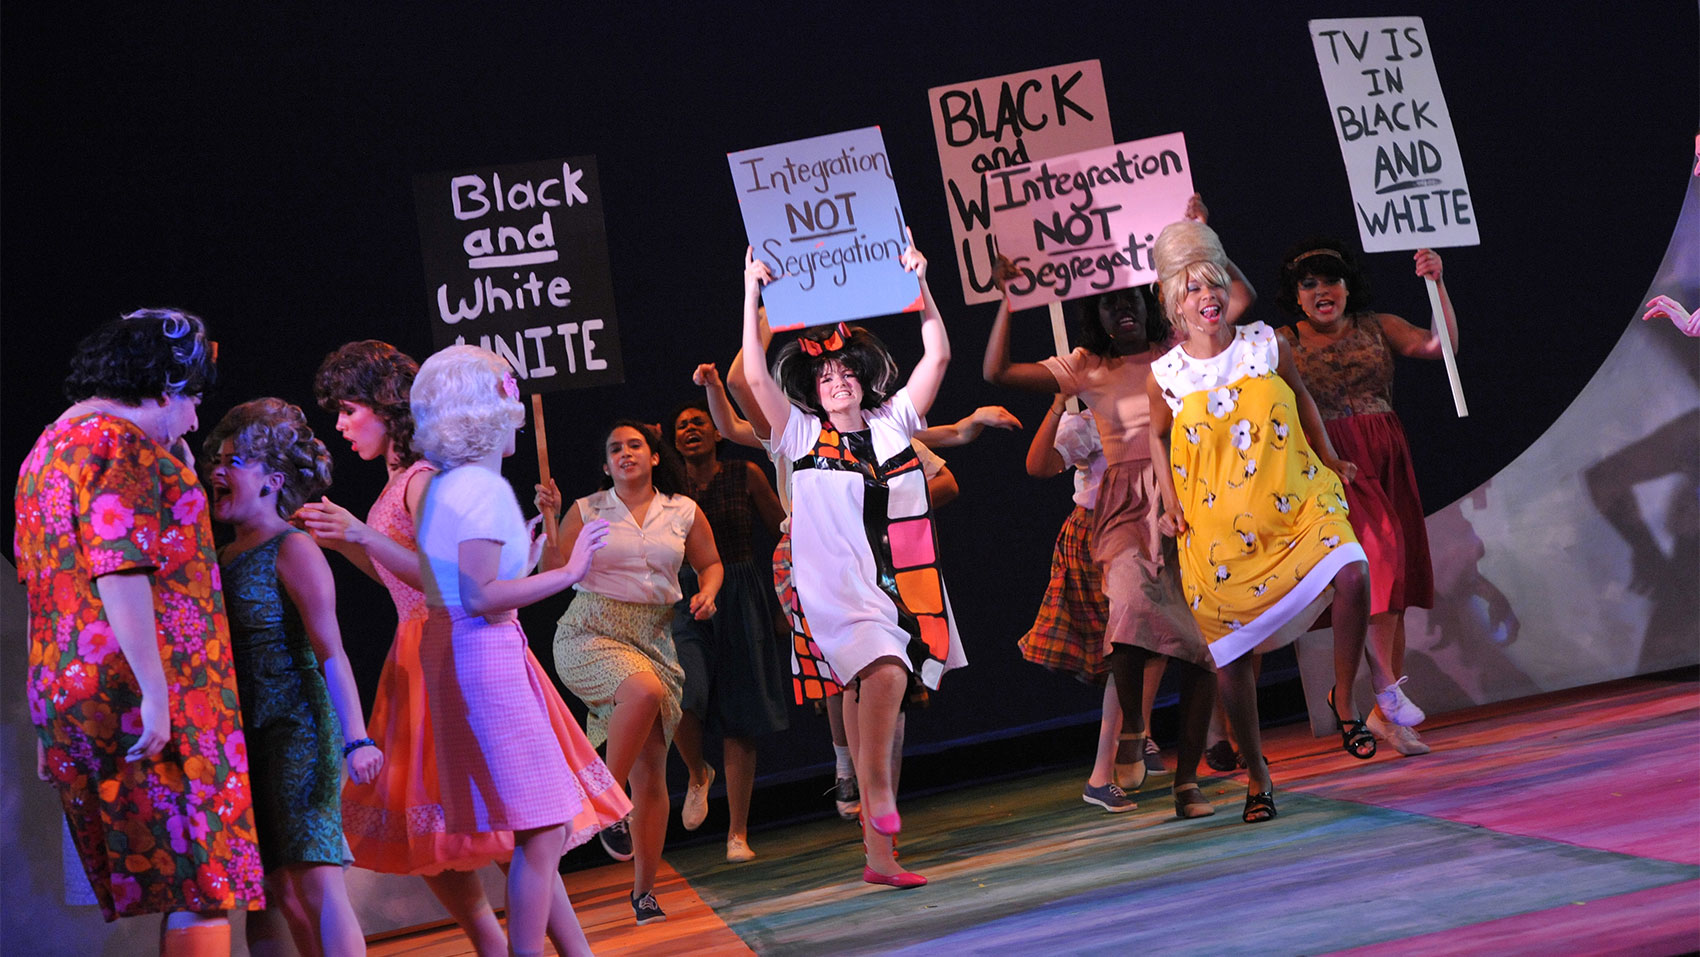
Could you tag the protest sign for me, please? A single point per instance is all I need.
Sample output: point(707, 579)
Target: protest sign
point(516, 261)
point(823, 214)
point(1395, 133)
point(1006, 121)
point(1084, 223)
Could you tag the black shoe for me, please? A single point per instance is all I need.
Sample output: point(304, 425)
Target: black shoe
point(616, 839)
point(1222, 757)
point(645, 910)
point(848, 799)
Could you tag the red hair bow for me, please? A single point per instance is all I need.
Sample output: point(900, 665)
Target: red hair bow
point(834, 341)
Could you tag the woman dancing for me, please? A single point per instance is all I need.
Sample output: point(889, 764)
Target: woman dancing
point(613, 647)
point(734, 663)
point(500, 760)
point(300, 707)
point(1344, 350)
point(1120, 334)
point(130, 678)
point(875, 604)
point(391, 821)
point(1261, 517)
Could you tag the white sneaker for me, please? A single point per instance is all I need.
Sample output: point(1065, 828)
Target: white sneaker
point(1404, 740)
point(738, 851)
point(695, 810)
point(1397, 708)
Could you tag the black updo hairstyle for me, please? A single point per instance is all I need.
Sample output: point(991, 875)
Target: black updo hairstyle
point(668, 476)
point(376, 375)
point(146, 354)
point(1327, 258)
point(274, 435)
point(862, 354)
point(1089, 330)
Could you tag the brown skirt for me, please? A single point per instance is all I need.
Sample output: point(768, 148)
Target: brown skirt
point(1141, 568)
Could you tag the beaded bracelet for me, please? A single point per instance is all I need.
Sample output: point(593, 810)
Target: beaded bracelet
point(356, 745)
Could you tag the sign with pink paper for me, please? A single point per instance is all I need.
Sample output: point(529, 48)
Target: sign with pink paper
point(1007, 121)
point(1395, 133)
point(823, 214)
point(1084, 223)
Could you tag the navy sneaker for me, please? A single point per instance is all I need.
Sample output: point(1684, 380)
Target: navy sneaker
point(645, 910)
point(1110, 797)
point(616, 839)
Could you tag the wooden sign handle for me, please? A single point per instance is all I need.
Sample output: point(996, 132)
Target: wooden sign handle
point(551, 520)
point(1439, 323)
point(1059, 336)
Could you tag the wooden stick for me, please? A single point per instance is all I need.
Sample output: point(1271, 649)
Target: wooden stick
point(1439, 323)
point(551, 520)
point(1059, 337)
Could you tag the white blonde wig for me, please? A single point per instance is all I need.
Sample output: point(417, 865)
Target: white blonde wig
point(1187, 251)
point(461, 409)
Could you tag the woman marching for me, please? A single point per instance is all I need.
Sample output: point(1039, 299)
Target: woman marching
point(300, 707)
point(131, 687)
point(1345, 352)
point(875, 603)
point(1252, 488)
point(613, 647)
point(503, 762)
point(1120, 334)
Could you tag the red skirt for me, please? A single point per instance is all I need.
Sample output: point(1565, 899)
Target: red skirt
point(1068, 633)
point(1386, 511)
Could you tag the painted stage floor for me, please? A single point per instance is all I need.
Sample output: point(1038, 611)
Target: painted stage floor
point(1563, 824)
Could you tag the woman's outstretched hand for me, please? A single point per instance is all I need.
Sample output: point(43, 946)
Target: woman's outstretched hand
point(1671, 309)
point(912, 259)
point(1428, 264)
point(756, 272)
point(591, 540)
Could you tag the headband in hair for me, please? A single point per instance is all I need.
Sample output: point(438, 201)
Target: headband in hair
point(834, 342)
point(1314, 252)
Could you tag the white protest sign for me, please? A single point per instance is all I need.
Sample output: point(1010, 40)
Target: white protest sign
point(1005, 121)
point(1084, 223)
point(1395, 133)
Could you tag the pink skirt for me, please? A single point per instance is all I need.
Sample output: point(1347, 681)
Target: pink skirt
point(509, 756)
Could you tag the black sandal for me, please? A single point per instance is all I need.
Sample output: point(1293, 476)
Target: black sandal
point(1259, 807)
point(1354, 736)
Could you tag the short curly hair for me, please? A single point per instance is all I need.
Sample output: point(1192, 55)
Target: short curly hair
point(143, 355)
point(1187, 251)
point(863, 354)
point(1326, 258)
point(462, 408)
point(376, 375)
point(274, 435)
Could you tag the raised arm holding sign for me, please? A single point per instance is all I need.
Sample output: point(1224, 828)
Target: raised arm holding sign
point(1396, 137)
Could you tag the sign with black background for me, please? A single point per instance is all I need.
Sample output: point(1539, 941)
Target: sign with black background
point(516, 261)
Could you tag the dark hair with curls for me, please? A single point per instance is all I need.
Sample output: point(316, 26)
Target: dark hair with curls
point(376, 375)
point(274, 435)
point(1090, 333)
point(667, 477)
point(863, 355)
point(143, 355)
point(1325, 258)
point(670, 428)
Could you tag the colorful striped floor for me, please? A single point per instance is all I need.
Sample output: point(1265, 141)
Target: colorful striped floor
point(1568, 823)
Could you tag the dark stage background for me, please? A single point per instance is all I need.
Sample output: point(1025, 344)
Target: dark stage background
point(255, 165)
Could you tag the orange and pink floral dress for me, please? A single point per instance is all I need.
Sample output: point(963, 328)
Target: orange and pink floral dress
point(96, 496)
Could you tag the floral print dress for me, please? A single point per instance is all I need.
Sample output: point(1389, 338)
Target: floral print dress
point(175, 832)
point(1267, 525)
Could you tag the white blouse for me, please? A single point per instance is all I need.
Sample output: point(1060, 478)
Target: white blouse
point(640, 563)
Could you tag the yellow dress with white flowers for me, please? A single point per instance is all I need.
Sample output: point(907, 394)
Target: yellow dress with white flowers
point(1266, 520)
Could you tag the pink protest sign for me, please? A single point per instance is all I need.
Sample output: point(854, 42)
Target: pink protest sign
point(1084, 223)
point(1007, 121)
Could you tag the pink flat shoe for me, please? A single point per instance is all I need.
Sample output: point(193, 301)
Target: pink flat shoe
point(900, 880)
point(887, 824)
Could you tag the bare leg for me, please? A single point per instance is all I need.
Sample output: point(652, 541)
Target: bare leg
point(1109, 726)
point(1237, 681)
point(1386, 644)
point(537, 857)
point(877, 847)
point(462, 894)
point(740, 758)
point(687, 740)
point(333, 928)
point(649, 807)
point(876, 703)
point(277, 930)
point(1148, 698)
point(637, 706)
point(1351, 618)
point(564, 929)
point(835, 719)
point(190, 934)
